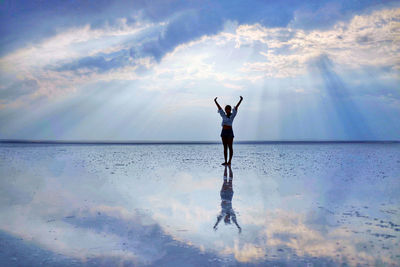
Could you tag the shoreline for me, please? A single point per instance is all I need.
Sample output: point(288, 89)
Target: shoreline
point(145, 142)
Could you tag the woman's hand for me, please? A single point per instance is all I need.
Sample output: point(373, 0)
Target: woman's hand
point(240, 101)
point(216, 103)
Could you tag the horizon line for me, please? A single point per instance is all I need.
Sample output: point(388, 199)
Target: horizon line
point(194, 142)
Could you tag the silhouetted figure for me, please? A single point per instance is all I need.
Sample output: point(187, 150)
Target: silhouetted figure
point(226, 201)
point(227, 132)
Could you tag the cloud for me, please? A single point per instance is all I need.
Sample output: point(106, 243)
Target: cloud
point(179, 29)
point(34, 22)
point(17, 89)
point(175, 207)
point(287, 233)
point(74, 44)
point(368, 40)
point(186, 55)
point(233, 86)
point(97, 64)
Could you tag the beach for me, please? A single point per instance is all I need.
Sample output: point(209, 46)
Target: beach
point(296, 204)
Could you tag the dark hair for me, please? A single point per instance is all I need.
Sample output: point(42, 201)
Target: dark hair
point(230, 108)
point(227, 219)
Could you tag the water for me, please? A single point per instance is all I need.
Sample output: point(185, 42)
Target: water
point(296, 205)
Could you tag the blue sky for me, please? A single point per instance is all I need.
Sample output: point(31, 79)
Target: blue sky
point(149, 70)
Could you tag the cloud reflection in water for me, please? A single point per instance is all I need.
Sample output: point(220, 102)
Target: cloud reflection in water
point(321, 204)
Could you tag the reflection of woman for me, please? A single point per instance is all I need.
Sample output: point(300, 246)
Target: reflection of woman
point(227, 132)
point(226, 201)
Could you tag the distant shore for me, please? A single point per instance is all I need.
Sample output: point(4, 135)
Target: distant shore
point(246, 142)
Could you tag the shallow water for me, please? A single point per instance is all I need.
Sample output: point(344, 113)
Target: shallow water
point(296, 205)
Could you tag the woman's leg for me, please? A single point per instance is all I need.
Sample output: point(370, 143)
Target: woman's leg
point(225, 143)
point(230, 144)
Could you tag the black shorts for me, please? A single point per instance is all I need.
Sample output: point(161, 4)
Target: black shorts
point(227, 133)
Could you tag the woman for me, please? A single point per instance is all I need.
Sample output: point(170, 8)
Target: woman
point(227, 132)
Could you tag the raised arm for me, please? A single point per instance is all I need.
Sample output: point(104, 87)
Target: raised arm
point(218, 220)
point(216, 103)
point(238, 104)
point(234, 220)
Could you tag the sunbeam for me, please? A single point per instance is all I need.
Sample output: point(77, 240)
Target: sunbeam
point(199, 133)
point(140, 77)
point(353, 122)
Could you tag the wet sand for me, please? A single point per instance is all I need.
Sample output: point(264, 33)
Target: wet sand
point(296, 204)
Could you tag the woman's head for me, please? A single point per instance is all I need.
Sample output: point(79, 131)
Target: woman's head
point(227, 219)
point(228, 109)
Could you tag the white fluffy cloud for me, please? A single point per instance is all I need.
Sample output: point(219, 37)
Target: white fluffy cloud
point(237, 57)
point(368, 40)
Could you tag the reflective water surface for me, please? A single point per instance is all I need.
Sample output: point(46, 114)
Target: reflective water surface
point(175, 205)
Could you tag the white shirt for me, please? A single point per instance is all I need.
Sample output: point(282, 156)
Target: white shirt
point(225, 120)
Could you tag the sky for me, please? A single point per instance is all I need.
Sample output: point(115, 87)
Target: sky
point(149, 70)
